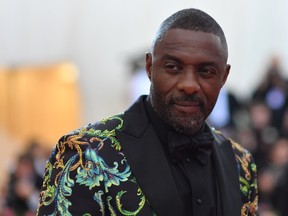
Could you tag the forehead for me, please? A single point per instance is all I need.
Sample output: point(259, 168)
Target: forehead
point(190, 42)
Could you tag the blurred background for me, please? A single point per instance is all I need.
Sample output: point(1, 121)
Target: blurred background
point(66, 63)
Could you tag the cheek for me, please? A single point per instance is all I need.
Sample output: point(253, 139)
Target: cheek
point(164, 86)
point(211, 93)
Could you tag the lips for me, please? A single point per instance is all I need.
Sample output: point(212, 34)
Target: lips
point(187, 103)
point(187, 106)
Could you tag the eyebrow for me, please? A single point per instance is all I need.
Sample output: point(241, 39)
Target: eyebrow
point(209, 63)
point(171, 57)
point(176, 59)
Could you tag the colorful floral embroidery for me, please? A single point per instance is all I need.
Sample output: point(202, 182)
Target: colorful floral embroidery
point(247, 179)
point(126, 212)
point(89, 169)
point(96, 171)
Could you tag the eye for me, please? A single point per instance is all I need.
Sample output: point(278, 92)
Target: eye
point(172, 68)
point(207, 71)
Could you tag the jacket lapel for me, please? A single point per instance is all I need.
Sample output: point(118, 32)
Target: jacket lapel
point(227, 177)
point(148, 162)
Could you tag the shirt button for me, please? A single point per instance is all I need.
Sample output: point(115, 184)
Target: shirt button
point(199, 201)
point(187, 160)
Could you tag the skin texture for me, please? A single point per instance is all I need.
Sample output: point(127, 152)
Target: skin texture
point(187, 70)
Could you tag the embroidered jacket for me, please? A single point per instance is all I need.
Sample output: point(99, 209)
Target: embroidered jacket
point(117, 167)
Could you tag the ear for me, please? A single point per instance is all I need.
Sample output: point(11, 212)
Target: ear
point(148, 65)
point(226, 73)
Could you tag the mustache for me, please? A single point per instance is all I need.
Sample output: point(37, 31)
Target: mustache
point(188, 98)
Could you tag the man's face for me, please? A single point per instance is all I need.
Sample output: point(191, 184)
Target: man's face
point(187, 70)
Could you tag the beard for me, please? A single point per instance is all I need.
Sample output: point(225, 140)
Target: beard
point(182, 122)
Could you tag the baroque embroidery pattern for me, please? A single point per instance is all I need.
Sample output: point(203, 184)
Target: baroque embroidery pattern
point(91, 171)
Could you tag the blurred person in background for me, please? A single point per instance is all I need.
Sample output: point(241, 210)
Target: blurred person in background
point(139, 83)
point(21, 190)
point(159, 157)
point(273, 91)
point(39, 154)
point(222, 116)
point(284, 128)
point(279, 167)
point(273, 178)
point(263, 131)
point(21, 194)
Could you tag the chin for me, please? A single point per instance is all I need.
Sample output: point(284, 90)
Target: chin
point(188, 126)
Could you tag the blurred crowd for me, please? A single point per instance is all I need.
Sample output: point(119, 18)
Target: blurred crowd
point(20, 195)
point(269, 131)
point(259, 123)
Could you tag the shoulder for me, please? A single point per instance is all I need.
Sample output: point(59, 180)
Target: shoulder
point(103, 128)
point(240, 152)
point(245, 162)
point(91, 136)
point(111, 123)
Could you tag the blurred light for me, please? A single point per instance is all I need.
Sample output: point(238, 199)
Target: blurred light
point(68, 73)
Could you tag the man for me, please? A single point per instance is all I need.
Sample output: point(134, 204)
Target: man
point(159, 157)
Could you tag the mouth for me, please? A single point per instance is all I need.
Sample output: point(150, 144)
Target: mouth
point(187, 106)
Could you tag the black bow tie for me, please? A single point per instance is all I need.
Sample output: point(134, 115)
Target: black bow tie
point(182, 145)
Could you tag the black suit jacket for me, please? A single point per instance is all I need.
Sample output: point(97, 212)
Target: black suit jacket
point(117, 167)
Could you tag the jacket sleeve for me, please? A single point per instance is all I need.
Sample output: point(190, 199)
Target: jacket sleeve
point(248, 180)
point(63, 189)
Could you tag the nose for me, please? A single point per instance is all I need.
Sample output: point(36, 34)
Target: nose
point(189, 82)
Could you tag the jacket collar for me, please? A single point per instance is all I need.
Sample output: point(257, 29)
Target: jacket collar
point(148, 162)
